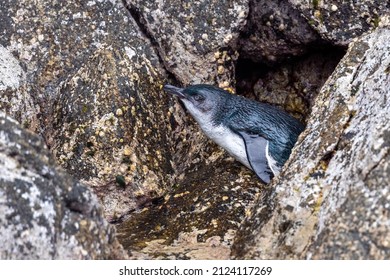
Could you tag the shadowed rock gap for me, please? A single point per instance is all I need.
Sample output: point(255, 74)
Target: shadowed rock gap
point(291, 83)
point(194, 204)
point(329, 202)
point(114, 129)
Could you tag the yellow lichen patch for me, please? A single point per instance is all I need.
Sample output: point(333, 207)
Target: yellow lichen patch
point(127, 151)
point(230, 89)
point(181, 194)
point(318, 15)
point(224, 84)
point(133, 167)
point(248, 212)
point(318, 203)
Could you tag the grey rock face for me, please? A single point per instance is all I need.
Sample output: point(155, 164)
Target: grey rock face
point(45, 213)
point(332, 200)
point(86, 78)
point(86, 75)
point(196, 39)
point(14, 98)
point(199, 219)
point(279, 29)
point(339, 22)
point(275, 30)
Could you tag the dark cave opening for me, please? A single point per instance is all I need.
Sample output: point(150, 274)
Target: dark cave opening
point(292, 83)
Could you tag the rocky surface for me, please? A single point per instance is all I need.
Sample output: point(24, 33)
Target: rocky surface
point(275, 30)
point(332, 201)
point(87, 76)
point(339, 22)
point(196, 39)
point(199, 219)
point(44, 212)
point(99, 106)
point(280, 29)
point(92, 89)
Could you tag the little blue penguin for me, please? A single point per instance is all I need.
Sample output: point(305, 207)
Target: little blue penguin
point(259, 135)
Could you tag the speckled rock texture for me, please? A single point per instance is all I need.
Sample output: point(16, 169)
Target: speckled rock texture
point(97, 102)
point(280, 29)
point(199, 219)
point(87, 76)
point(196, 39)
point(45, 213)
point(339, 22)
point(333, 200)
point(84, 76)
point(275, 30)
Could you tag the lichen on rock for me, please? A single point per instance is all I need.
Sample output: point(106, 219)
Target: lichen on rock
point(339, 21)
point(336, 184)
point(44, 212)
point(196, 39)
point(88, 76)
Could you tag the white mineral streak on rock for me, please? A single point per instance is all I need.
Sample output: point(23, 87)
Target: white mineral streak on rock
point(11, 73)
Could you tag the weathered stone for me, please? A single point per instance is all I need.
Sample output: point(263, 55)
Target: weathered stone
point(87, 76)
point(45, 213)
point(199, 219)
point(89, 81)
point(331, 202)
point(52, 41)
point(13, 98)
point(284, 28)
point(196, 39)
point(108, 123)
point(339, 22)
point(275, 30)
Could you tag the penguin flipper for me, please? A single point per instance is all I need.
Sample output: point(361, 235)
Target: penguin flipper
point(256, 150)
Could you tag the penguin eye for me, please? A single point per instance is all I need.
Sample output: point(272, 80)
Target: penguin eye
point(198, 97)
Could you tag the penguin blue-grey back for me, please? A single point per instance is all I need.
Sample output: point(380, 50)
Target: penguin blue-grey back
point(258, 135)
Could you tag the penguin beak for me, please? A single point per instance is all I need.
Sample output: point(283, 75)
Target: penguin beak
point(174, 91)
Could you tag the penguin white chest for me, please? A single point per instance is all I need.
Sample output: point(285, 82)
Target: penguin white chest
point(221, 135)
point(228, 140)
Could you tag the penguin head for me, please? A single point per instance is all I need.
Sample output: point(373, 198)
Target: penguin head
point(200, 100)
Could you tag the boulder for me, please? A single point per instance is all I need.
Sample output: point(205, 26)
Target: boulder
point(331, 201)
point(196, 39)
point(275, 30)
point(44, 212)
point(85, 77)
point(339, 22)
point(198, 219)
